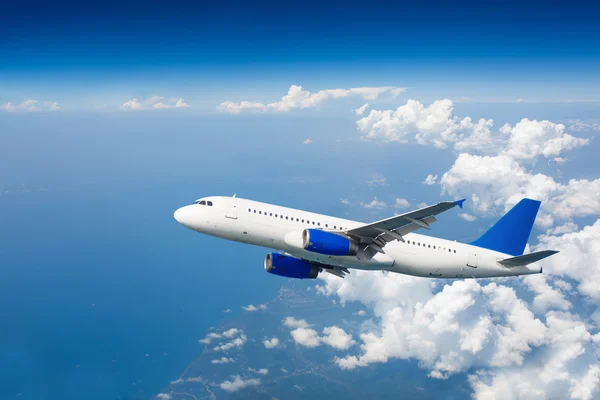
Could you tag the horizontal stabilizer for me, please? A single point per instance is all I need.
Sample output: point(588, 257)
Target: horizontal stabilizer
point(527, 258)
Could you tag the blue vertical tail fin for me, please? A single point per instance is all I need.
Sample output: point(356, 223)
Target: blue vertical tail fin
point(509, 235)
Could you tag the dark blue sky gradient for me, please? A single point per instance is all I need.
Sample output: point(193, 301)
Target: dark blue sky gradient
point(73, 35)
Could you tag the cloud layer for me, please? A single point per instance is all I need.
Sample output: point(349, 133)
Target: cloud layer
point(154, 102)
point(298, 98)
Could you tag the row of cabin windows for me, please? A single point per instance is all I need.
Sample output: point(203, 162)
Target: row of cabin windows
point(429, 246)
point(291, 218)
point(204, 203)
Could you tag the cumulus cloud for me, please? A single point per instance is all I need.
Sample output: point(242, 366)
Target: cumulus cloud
point(30, 105)
point(496, 183)
point(344, 201)
point(292, 322)
point(238, 383)
point(154, 102)
point(252, 307)
point(229, 339)
point(306, 337)
point(472, 326)
point(222, 360)
point(430, 180)
point(163, 396)
point(337, 338)
point(271, 343)
point(377, 180)
point(229, 333)
point(332, 335)
point(361, 110)
point(375, 204)
point(298, 98)
point(579, 258)
point(467, 217)
point(262, 371)
point(437, 125)
point(401, 203)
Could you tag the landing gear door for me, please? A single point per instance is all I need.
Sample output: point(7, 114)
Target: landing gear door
point(472, 260)
point(232, 208)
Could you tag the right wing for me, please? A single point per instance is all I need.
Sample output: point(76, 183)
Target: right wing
point(377, 234)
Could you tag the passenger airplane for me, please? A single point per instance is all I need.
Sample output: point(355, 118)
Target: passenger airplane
point(312, 243)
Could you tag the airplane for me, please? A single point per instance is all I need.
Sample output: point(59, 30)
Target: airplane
point(307, 244)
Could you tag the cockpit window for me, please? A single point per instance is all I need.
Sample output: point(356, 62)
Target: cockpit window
point(203, 203)
point(209, 203)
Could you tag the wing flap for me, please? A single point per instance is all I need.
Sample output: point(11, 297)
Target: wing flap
point(527, 258)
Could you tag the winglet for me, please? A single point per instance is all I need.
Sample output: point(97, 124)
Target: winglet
point(460, 202)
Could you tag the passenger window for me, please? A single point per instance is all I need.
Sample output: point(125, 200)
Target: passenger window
point(334, 227)
point(326, 226)
point(449, 250)
point(318, 223)
point(313, 222)
point(434, 247)
point(254, 211)
point(297, 219)
point(260, 212)
point(455, 251)
point(249, 210)
point(429, 245)
point(275, 215)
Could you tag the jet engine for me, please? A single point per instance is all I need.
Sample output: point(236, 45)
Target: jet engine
point(290, 267)
point(328, 243)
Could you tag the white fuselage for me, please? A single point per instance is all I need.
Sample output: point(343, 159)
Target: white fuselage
point(280, 228)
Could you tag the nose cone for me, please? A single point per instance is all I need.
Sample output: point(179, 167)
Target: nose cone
point(183, 215)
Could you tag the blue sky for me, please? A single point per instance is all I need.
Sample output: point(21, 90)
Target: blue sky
point(102, 289)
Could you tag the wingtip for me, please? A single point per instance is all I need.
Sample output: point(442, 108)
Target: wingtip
point(460, 202)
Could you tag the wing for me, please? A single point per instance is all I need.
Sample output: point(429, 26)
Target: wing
point(375, 235)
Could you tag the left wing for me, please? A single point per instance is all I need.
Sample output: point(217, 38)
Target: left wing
point(377, 234)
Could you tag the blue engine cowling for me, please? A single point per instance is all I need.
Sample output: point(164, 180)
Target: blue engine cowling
point(290, 267)
point(328, 243)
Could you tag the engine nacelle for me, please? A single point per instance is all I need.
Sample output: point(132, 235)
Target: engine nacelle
point(331, 244)
point(290, 267)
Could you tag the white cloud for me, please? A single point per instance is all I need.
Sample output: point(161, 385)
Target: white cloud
point(306, 337)
point(307, 141)
point(344, 201)
point(520, 100)
point(292, 322)
point(238, 383)
point(222, 360)
point(437, 125)
point(251, 307)
point(496, 183)
point(163, 396)
point(225, 334)
point(377, 180)
point(376, 204)
point(576, 125)
point(467, 217)
point(271, 343)
point(546, 296)
point(226, 345)
point(471, 325)
point(401, 203)
point(154, 102)
point(430, 180)
point(298, 98)
point(30, 105)
point(360, 313)
point(337, 338)
point(361, 110)
point(262, 371)
point(579, 258)
point(332, 335)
